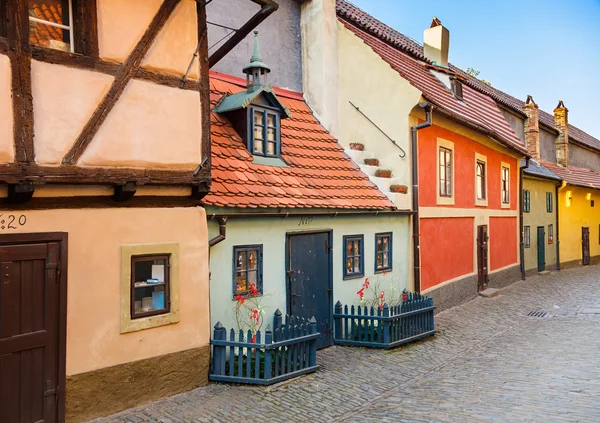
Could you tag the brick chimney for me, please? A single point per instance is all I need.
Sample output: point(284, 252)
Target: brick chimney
point(532, 128)
point(561, 124)
point(436, 43)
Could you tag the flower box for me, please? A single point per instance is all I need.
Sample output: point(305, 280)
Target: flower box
point(383, 173)
point(357, 146)
point(372, 162)
point(402, 189)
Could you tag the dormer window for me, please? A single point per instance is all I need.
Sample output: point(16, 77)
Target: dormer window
point(264, 133)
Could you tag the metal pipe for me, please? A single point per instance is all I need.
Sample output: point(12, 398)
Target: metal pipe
point(557, 234)
point(267, 8)
point(521, 239)
point(415, 194)
point(222, 232)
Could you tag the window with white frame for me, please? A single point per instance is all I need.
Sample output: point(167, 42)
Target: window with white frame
point(445, 175)
point(550, 234)
point(527, 236)
point(51, 24)
point(505, 185)
point(480, 176)
point(264, 133)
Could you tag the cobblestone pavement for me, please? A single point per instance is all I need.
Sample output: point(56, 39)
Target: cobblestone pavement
point(489, 361)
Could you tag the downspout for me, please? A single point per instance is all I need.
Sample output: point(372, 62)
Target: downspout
point(558, 186)
point(222, 232)
point(415, 193)
point(521, 239)
point(267, 8)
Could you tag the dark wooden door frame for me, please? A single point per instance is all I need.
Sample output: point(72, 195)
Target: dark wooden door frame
point(482, 285)
point(541, 245)
point(62, 238)
point(288, 301)
point(585, 258)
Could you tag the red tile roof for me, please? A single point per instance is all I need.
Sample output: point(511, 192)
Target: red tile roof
point(476, 109)
point(48, 10)
point(576, 175)
point(319, 174)
point(363, 20)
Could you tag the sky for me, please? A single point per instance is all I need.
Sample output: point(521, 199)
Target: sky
point(549, 49)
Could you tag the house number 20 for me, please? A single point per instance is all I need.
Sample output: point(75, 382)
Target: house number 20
point(305, 221)
point(12, 221)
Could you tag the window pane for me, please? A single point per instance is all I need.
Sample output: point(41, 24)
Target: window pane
point(240, 282)
point(48, 35)
point(150, 284)
point(271, 134)
point(357, 265)
point(258, 118)
point(271, 148)
point(386, 243)
point(258, 132)
point(386, 260)
point(241, 260)
point(379, 260)
point(270, 120)
point(252, 277)
point(356, 248)
point(349, 265)
point(258, 146)
point(252, 259)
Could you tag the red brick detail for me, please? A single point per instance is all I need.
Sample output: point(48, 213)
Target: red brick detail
point(532, 129)
point(561, 124)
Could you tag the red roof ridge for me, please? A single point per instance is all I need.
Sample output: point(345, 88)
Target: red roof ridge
point(241, 82)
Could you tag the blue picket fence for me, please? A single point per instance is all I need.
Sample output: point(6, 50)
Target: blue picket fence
point(288, 350)
point(388, 327)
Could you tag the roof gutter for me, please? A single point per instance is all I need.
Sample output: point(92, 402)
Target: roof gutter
point(484, 130)
point(415, 193)
point(267, 8)
point(521, 238)
point(306, 214)
point(222, 231)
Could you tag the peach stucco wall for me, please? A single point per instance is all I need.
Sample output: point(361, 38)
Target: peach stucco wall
point(94, 276)
point(150, 126)
point(63, 100)
point(176, 43)
point(7, 150)
point(121, 24)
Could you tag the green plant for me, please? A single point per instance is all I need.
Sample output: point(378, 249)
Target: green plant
point(371, 294)
point(249, 312)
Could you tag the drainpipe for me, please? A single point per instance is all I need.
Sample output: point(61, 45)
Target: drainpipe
point(521, 240)
point(415, 193)
point(557, 234)
point(222, 232)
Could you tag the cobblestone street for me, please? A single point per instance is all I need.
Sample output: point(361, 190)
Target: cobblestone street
point(489, 361)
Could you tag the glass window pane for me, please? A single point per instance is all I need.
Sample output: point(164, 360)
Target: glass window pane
point(379, 260)
point(271, 148)
point(386, 260)
point(241, 260)
point(49, 36)
point(270, 120)
point(258, 146)
point(356, 248)
point(379, 244)
point(149, 277)
point(258, 132)
point(271, 134)
point(258, 118)
point(252, 259)
point(252, 277)
point(240, 282)
point(349, 265)
point(349, 247)
point(356, 265)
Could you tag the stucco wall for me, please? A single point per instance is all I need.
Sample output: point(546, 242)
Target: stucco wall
point(383, 95)
point(516, 123)
point(573, 217)
point(280, 41)
point(7, 149)
point(538, 216)
point(547, 146)
point(502, 246)
point(581, 157)
point(271, 233)
point(94, 280)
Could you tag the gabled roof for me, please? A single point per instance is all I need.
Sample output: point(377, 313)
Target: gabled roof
point(536, 169)
point(575, 175)
point(244, 98)
point(318, 175)
point(366, 22)
point(476, 109)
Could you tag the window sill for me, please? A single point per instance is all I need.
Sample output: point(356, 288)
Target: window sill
point(505, 205)
point(384, 269)
point(269, 161)
point(481, 203)
point(445, 201)
point(141, 323)
point(246, 296)
point(354, 276)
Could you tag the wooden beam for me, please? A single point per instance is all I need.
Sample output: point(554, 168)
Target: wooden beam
point(85, 23)
point(204, 90)
point(126, 73)
point(95, 202)
point(20, 193)
point(124, 192)
point(20, 63)
point(3, 45)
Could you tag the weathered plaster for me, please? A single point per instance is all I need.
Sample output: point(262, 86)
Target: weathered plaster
point(582, 157)
point(384, 96)
point(7, 148)
point(575, 214)
point(64, 98)
point(280, 41)
point(175, 45)
point(271, 233)
point(121, 24)
point(517, 123)
point(547, 146)
point(150, 126)
point(94, 280)
point(538, 216)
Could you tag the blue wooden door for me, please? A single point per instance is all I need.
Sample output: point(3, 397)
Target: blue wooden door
point(309, 291)
point(541, 248)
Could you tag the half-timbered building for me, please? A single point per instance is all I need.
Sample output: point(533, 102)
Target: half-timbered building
point(105, 156)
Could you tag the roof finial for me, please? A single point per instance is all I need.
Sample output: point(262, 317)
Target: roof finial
point(256, 54)
point(256, 68)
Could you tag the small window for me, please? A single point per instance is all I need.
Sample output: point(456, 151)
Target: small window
point(383, 252)
point(550, 234)
point(150, 285)
point(353, 256)
point(526, 236)
point(526, 201)
point(505, 185)
point(480, 180)
point(549, 202)
point(445, 172)
point(50, 24)
point(247, 263)
point(264, 134)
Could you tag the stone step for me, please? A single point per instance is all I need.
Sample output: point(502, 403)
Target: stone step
point(402, 201)
point(384, 183)
point(358, 157)
point(369, 170)
point(490, 292)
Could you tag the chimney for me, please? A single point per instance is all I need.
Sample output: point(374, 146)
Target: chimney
point(532, 128)
point(436, 43)
point(561, 124)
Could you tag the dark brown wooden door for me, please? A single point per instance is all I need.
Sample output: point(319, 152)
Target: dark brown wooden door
point(30, 302)
point(482, 258)
point(585, 245)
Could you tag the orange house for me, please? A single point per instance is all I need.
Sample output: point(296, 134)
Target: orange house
point(465, 163)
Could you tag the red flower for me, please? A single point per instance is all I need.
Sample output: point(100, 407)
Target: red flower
point(404, 296)
point(367, 283)
point(254, 314)
point(254, 339)
point(240, 299)
point(361, 293)
point(252, 289)
point(384, 272)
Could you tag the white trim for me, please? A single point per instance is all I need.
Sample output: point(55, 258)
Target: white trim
point(441, 212)
point(49, 23)
point(446, 201)
point(481, 202)
point(502, 204)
